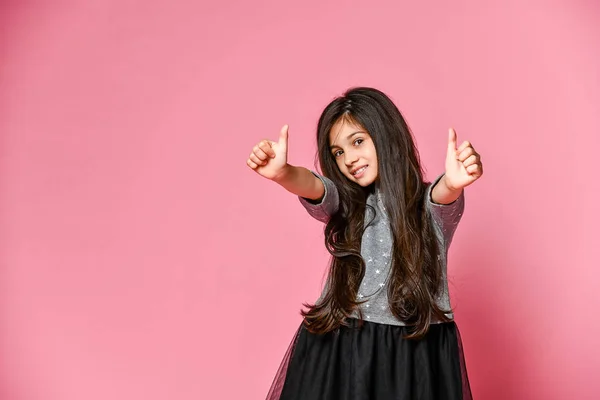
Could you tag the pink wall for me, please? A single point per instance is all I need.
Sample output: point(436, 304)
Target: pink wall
point(141, 259)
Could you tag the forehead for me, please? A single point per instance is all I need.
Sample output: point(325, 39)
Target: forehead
point(341, 131)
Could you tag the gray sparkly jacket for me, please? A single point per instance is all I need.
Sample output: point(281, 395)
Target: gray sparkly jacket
point(376, 246)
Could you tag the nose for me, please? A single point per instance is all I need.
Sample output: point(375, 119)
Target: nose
point(350, 158)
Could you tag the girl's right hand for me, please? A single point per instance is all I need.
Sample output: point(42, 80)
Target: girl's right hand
point(268, 158)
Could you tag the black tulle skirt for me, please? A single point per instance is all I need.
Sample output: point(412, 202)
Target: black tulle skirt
point(373, 362)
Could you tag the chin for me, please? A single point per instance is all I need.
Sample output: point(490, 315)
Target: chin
point(366, 181)
point(366, 184)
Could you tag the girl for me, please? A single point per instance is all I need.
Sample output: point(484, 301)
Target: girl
point(383, 326)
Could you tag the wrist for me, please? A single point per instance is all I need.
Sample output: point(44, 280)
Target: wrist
point(448, 185)
point(283, 174)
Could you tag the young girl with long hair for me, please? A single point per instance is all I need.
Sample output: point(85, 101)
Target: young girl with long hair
point(383, 326)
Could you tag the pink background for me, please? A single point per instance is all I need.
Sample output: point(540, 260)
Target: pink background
point(141, 259)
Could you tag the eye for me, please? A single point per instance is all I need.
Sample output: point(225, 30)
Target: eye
point(337, 153)
point(358, 141)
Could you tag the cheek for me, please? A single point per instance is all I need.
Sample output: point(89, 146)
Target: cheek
point(373, 153)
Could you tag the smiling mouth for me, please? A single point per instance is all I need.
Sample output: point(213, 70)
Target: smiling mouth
point(359, 171)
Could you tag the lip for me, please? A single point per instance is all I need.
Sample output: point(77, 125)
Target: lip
point(356, 169)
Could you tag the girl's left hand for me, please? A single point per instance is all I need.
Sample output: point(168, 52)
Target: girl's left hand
point(463, 164)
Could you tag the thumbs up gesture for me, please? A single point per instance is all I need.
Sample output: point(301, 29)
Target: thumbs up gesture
point(463, 163)
point(269, 158)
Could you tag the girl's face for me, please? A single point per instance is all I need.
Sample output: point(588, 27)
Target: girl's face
point(354, 152)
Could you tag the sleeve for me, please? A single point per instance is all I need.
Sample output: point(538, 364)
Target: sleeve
point(323, 209)
point(445, 216)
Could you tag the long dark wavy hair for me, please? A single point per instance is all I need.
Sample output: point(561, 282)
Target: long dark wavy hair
point(416, 272)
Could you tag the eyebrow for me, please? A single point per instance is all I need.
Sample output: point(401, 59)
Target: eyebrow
point(347, 138)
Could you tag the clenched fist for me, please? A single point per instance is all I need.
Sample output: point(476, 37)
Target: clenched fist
point(269, 158)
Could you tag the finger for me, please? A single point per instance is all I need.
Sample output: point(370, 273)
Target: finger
point(463, 146)
point(251, 164)
point(265, 146)
point(283, 137)
point(473, 159)
point(466, 153)
point(256, 160)
point(451, 140)
point(258, 152)
point(475, 169)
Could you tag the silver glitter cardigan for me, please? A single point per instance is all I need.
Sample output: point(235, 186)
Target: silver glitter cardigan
point(376, 246)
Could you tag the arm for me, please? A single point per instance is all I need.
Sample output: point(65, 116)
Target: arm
point(323, 208)
point(445, 197)
point(446, 208)
point(317, 194)
point(269, 159)
point(301, 182)
point(442, 194)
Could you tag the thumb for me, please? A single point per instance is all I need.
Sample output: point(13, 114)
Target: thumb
point(451, 142)
point(283, 137)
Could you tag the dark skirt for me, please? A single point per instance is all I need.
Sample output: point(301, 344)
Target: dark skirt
point(373, 362)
